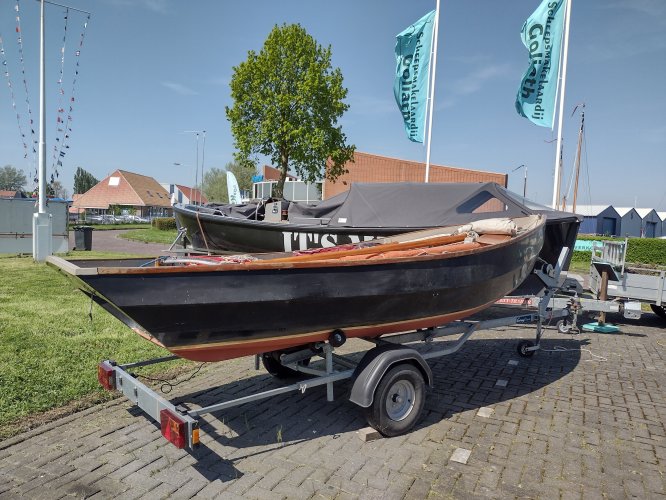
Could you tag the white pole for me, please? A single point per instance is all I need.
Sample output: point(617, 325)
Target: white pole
point(42, 116)
point(203, 157)
point(565, 50)
point(431, 77)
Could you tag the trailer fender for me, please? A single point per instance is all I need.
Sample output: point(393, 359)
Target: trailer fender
point(375, 363)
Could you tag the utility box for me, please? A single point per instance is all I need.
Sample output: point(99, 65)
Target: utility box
point(273, 212)
point(16, 216)
point(83, 238)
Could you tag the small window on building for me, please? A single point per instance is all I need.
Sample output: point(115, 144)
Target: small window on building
point(114, 181)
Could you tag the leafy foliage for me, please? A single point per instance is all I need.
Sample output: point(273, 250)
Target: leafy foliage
point(83, 181)
point(164, 223)
point(649, 251)
point(214, 185)
point(287, 102)
point(56, 189)
point(12, 179)
point(215, 180)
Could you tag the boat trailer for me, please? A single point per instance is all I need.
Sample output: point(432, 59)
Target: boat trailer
point(389, 382)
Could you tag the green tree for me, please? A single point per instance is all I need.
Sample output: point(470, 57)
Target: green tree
point(55, 189)
point(12, 179)
point(83, 181)
point(287, 102)
point(214, 185)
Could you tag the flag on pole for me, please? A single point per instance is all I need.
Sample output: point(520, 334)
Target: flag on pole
point(412, 53)
point(542, 36)
point(232, 188)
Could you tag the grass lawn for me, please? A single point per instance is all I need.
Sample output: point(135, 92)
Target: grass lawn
point(151, 235)
point(49, 346)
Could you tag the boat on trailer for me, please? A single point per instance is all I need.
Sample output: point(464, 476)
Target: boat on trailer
point(212, 308)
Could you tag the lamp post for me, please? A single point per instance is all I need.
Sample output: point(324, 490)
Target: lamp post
point(196, 167)
point(524, 180)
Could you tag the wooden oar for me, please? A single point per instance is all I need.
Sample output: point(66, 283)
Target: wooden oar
point(441, 240)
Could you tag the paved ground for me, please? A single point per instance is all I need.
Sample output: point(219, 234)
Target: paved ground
point(109, 241)
point(583, 419)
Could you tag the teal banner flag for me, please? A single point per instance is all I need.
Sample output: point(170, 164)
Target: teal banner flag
point(542, 36)
point(412, 53)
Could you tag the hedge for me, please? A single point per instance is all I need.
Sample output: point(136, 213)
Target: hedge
point(164, 223)
point(650, 251)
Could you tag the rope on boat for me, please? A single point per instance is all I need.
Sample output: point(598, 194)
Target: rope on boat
point(203, 235)
point(167, 386)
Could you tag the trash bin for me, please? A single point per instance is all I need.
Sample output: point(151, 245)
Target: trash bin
point(83, 238)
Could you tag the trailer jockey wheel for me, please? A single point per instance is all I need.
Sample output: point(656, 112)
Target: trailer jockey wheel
point(563, 326)
point(271, 361)
point(522, 348)
point(398, 401)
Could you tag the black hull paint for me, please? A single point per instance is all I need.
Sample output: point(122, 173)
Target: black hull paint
point(185, 308)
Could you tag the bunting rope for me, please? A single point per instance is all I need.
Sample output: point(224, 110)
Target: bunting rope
point(13, 96)
point(61, 96)
point(31, 121)
point(65, 103)
point(64, 127)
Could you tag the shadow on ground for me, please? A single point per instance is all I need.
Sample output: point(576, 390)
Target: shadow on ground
point(463, 381)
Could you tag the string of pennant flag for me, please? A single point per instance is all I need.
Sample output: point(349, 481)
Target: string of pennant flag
point(24, 111)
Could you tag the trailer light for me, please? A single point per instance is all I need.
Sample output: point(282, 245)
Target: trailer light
point(195, 437)
point(174, 428)
point(106, 375)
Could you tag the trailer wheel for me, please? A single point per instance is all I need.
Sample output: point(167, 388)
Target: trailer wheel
point(271, 361)
point(563, 326)
point(522, 348)
point(659, 310)
point(398, 402)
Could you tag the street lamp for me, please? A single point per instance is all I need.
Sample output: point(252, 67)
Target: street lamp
point(524, 180)
point(196, 168)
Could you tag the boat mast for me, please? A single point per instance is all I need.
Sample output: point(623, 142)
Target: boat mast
point(580, 142)
point(558, 152)
point(431, 77)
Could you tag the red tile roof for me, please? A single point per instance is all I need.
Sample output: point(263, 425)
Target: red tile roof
point(192, 194)
point(124, 188)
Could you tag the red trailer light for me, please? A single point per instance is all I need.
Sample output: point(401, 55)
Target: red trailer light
point(106, 376)
point(174, 428)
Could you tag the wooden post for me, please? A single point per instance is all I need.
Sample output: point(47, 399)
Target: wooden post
point(603, 294)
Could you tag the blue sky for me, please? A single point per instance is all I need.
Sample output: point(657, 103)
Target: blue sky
point(151, 69)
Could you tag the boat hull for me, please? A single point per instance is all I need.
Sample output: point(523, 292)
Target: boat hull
point(211, 315)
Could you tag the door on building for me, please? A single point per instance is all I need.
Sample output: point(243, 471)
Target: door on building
point(608, 226)
point(650, 229)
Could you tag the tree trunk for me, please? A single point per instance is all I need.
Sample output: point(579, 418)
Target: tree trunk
point(278, 189)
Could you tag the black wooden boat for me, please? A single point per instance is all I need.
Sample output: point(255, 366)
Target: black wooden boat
point(221, 307)
point(365, 212)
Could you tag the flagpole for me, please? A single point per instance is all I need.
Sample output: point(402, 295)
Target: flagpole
point(558, 156)
point(432, 76)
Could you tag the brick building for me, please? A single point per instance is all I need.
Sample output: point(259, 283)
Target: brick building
point(368, 167)
point(375, 168)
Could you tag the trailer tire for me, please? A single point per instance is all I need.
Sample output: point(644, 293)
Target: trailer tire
point(659, 310)
point(271, 361)
point(398, 402)
point(522, 348)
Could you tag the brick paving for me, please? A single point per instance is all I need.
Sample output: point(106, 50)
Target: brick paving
point(585, 422)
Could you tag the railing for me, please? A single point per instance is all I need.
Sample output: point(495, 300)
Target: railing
point(611, 252)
